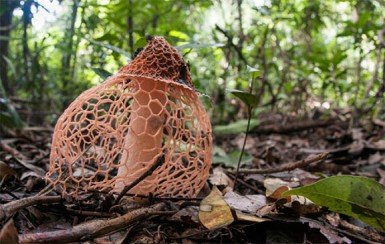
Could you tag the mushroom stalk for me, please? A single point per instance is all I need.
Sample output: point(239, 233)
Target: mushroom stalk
point(143, 142)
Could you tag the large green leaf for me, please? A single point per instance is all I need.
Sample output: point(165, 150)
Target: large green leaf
point(355, 196)
point(249, 99)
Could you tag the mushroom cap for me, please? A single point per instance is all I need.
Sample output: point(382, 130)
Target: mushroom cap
point(160, 61)
point(105, 125)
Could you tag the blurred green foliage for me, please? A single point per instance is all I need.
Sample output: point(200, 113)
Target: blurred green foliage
point(310, 53)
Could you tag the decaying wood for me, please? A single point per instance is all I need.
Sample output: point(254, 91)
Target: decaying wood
point(286, 167)
point(94, 228)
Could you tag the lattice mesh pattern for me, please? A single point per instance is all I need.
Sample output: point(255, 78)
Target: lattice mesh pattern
point(113, 133)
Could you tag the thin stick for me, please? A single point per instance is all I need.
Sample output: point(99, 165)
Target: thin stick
point(94, 228)
point(285, 167)
point(245, 183)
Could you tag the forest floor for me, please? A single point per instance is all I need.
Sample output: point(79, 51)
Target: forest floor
point(283, 150)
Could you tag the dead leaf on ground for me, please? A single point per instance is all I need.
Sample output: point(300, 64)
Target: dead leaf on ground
point(376, 158)
point(333, 219)
point(357, 134)
point(8, 233)
point(214, 211)
point(219, 178)
point(330, 234)
point(277, 194)
point(39, 171)
point(267, 209)
point(6, 171)
point(382, 175)
point(249, 217)
point(248, 203)
point(379, 145)
point(187, 214)
point(304, 209)
point(275, 187)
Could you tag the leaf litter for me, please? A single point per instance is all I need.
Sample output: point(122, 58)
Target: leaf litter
point(254, 210)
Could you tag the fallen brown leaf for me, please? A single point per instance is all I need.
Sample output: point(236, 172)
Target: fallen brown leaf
point(214, 212)
point(8, 233)
point(6, 171)
point(248, 203)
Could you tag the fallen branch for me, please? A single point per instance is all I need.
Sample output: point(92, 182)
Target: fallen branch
point(292, 127)
point(8, 209)
point(285, 167)
point(94, 228)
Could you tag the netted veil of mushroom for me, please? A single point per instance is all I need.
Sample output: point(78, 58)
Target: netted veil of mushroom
point(113, 133)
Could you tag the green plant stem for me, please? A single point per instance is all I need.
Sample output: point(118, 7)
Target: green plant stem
point(243, 146)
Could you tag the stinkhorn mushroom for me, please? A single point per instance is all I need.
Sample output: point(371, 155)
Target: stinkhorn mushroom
point(115, 132)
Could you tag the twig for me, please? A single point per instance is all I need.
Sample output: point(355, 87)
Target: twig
point(173, 199)
point(286, 167)
point(87, 213)
point(372, 235)
point(10, 208)
point(240, 181)
point(230, 41)
point(94, 228)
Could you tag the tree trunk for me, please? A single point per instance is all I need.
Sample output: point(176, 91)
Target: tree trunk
point(67, 56)
point(5, 28)
point(27, 15)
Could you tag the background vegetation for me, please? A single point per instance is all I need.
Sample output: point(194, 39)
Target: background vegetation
point(311, 54)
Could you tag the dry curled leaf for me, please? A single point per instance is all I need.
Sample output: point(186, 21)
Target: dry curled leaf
point(272, 184)
point(277, 194)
